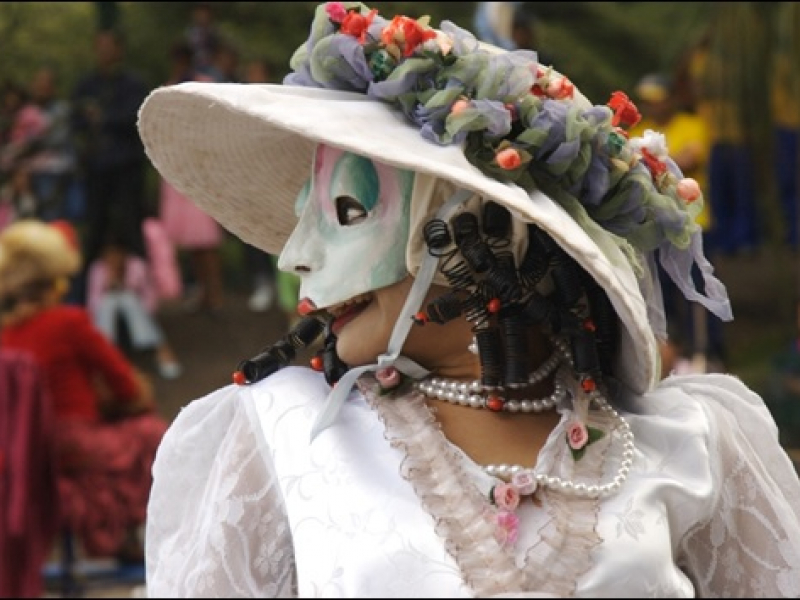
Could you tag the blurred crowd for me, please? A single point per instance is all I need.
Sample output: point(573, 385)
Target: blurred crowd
point(91, 249)
point(75, 155)
point(73, 161)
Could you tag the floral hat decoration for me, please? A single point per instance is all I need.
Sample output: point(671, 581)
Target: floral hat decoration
point(442, 103)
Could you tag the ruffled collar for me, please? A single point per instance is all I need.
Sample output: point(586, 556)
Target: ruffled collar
point(452, 489)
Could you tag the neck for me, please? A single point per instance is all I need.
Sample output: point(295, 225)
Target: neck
point(489, 437)
point(497, 437)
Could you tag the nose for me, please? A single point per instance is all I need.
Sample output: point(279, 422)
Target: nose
point(302, 253)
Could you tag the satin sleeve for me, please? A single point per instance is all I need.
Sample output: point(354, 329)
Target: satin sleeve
point(217, 524)
point(749, 546)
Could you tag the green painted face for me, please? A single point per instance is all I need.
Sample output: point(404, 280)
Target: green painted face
point(353, 229)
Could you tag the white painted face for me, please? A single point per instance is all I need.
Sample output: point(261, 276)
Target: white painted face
point(353, 228)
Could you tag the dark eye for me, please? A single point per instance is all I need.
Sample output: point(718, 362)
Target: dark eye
point(349, 211)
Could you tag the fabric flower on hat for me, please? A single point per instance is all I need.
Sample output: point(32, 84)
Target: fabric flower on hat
point(504, 106)
point(336, 11)
point(404, 35)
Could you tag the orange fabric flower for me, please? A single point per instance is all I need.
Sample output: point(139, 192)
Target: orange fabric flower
point(406, 34)
point(626, 114)
point(561, 88)
point(459, 106)
point(356, 24)
point(655, 166)
point(508, 159)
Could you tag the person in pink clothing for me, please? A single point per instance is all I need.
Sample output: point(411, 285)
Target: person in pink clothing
point(121, 286)
point(191, 230)
point(26, 121)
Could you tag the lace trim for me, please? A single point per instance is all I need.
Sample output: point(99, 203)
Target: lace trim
point(563, 553)
point(461, 512)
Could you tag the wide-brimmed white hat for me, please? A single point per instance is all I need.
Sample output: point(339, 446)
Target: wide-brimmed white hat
point(242, 152)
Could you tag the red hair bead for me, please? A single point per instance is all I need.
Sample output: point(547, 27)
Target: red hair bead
point(494, 305)
point(316, 363)
point(239, 378)
point(588, 385)
point(494, 403)
point(305, 307)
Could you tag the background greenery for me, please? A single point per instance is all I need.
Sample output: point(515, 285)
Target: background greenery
point(602, 46)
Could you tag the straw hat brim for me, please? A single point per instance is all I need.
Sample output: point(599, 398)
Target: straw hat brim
point(242, 152)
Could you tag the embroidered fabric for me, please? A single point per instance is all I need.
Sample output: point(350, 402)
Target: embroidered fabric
point(743, 550)
point(710, 491)
point(436, 470)
point(217, 525)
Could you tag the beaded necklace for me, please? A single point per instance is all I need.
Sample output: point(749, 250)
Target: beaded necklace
point(516, 481)
point(467, 393)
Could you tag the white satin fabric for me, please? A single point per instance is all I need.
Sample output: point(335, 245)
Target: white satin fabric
point(381, 505)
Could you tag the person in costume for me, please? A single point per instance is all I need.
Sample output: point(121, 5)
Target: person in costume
point(475, 242)
point(105, 422)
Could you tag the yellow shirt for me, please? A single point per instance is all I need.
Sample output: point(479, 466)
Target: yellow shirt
point(686, 134)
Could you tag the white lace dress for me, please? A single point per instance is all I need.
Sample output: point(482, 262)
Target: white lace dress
point(381, 505)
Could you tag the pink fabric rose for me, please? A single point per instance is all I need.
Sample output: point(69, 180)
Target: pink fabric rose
point(505, 496)
point(507, 529)
point(525, 482)
point(577, 435)
point(561, 88)
point(688, 189)
point(459, 106)
point(388, 377)
point(508, 159)
point(336, 11)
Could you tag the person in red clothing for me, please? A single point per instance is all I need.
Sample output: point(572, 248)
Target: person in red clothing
point(108, 427)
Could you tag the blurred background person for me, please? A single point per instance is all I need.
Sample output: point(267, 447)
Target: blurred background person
point(123, 303)
point(509, 25)
point(202, 36)
point(225, 62)
point(688, 139)
point(108, 427)
point(260, 266)
point(24, 122)
point(105, 104)
point(53, 163)
point(194, 234)
point(29, 499)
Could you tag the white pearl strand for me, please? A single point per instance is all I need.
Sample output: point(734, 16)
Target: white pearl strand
point(571, 488)
point(469, 393)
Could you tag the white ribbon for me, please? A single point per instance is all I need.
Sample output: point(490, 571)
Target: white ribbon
point(402, 326)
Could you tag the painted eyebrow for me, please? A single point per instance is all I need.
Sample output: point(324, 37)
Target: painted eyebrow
point(358, 174)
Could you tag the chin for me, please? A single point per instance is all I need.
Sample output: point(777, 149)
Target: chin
point(357, 325)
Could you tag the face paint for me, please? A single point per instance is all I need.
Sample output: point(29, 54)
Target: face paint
point(353, 228)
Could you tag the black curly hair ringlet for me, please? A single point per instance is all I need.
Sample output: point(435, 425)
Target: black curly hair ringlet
point(282, 353)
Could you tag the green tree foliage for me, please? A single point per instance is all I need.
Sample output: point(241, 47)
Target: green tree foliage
point(601, 46)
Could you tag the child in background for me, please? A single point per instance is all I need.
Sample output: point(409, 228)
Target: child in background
point(121, 287)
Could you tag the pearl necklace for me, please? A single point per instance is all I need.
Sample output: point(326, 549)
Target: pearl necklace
point(570, 488)
point(469, 393)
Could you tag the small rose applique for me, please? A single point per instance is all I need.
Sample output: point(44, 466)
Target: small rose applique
point(505, 496)
point(507, 529)
point(580, 436)
point(388, 378)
